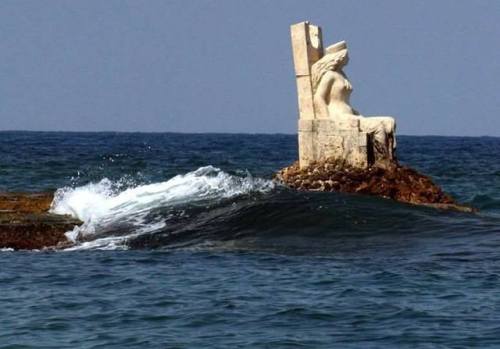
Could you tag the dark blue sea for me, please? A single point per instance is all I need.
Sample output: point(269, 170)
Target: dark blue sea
point(187, 243)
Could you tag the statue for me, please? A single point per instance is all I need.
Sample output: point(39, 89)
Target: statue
point(329, 127)
point(332, 90)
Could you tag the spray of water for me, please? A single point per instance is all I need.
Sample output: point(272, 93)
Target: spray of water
point(100, 206)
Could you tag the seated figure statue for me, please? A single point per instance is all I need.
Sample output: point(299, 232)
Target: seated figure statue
point(332, 91)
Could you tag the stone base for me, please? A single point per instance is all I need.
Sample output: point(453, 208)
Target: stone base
point(321, 139)
point(396, 182)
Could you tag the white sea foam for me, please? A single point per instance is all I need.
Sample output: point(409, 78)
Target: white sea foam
point(98, 205)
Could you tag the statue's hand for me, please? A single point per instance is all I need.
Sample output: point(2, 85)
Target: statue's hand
point(347, 85)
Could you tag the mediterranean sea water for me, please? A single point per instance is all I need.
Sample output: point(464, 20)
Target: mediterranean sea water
point(187, 243)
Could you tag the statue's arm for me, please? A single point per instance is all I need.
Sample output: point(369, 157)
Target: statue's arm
point(321, 97)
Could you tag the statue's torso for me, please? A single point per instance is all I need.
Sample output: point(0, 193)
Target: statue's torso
point(340, 93)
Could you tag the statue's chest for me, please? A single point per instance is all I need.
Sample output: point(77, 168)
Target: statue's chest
point(340, 88)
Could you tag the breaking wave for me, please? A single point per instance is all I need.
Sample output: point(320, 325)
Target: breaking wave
point(212, 209)
point(111, 216)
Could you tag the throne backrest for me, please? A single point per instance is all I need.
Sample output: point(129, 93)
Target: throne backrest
point(307, 46)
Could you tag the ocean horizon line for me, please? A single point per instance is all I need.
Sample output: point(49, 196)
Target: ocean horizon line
point(223, 133)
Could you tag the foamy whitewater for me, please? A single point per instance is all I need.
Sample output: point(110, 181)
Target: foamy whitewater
point(104, 208)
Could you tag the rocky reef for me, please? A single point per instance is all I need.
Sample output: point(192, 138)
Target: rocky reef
point(26, 224)
point(396, 182)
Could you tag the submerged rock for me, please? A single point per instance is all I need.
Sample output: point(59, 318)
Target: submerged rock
point(25, 223)
point(394, 182)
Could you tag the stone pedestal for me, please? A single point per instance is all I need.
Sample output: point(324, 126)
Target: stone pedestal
point(321, 139)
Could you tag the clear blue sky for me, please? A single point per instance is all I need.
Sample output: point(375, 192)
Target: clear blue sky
point(226, 66)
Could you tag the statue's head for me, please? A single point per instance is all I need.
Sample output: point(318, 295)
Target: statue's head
point(335, 58)
point(338, 52)
point(337, 47)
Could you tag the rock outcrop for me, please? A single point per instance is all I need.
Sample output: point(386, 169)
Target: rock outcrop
point(395, 182)
point(25, 223)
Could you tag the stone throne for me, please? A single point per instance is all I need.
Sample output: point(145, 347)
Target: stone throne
point(329, 128)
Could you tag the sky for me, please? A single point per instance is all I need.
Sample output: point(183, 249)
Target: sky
point(226, 65)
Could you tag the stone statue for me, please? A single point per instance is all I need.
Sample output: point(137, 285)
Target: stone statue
point(332, 91)
point(329, 127)
point(338, 147)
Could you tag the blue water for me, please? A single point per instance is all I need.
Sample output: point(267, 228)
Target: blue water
point(188, 244)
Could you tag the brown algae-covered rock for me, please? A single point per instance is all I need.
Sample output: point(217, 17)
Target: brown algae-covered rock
point(25, 223)
point(395, 182)
point(25, 202)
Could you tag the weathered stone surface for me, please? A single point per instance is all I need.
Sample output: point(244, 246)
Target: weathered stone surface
point(325, 139)
point(395, 182)
point(25, 223)
point(307, 49)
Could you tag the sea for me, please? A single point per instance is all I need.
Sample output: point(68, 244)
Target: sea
point(188, 243)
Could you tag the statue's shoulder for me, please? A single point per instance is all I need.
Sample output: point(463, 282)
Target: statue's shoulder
point(332, 74)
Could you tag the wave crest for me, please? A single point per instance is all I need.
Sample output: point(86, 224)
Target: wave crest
point(103, 208)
